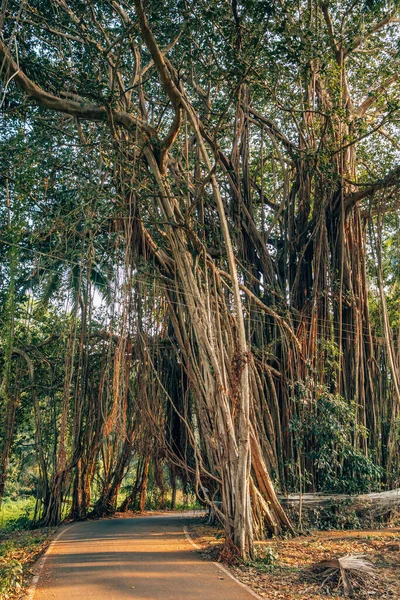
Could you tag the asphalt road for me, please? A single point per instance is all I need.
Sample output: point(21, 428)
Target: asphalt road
point(146, 558)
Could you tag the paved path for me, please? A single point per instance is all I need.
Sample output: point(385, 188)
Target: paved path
point(146, 558)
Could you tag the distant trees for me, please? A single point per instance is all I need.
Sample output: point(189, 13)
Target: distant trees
point(218, 180)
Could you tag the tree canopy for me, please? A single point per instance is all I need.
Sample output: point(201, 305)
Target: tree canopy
point(199, 243)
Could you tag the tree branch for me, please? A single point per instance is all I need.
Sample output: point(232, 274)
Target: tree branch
point(377, 27)
point(392, 179)
point(273, 129)
point(373, 96)
point(167, 82)
point(89, 111)
point(332, 38)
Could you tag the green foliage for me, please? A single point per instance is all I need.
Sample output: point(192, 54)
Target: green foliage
point(337, 514)
point(270, 556)
point(16, 513)
point(327, 432)
point(79, 192)
point(267, 560)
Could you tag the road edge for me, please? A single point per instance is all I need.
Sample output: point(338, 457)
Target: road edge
point(221, 567)
point(38, 566)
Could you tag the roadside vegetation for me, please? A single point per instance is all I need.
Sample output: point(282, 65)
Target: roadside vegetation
point(16, 513)
point(20, 547)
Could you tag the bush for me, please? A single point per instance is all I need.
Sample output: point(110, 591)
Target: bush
point(17, 514)
point(327, 433)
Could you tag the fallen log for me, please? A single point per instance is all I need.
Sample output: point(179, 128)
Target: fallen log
point(343, 511)
point(388, 498)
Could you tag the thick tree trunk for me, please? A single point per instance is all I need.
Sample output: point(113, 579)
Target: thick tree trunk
point(107, 503)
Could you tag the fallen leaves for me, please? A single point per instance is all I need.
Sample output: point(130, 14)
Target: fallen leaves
point(18, 551)
point(291, 575)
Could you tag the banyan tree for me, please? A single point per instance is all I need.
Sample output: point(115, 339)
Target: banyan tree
point(242, 178)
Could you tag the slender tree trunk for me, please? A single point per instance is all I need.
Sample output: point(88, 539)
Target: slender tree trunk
point(143, 485)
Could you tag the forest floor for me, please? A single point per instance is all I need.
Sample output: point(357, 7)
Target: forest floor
point(19, 550)
point(283, 569)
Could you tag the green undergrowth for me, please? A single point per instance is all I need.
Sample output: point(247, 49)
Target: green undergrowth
point(266, 560)
point(20, 546)
point(18, 551)
point(16, 514)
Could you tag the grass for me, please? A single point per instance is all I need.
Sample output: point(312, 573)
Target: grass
point(19, 546)
point(16, 514)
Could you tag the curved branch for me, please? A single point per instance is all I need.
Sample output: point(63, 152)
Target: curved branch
point(373, 96)
point(377, 27)
point(274, 130)
point(392, 179)
point(89, 111)
point(167, 82)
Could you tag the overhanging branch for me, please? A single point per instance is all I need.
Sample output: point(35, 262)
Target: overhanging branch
point(82, 110)
point(392, 179)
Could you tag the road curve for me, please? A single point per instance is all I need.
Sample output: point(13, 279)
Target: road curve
point(146, 558)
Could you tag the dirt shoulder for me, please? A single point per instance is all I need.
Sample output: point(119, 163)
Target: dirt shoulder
point(283, 568)
point(19, 550)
